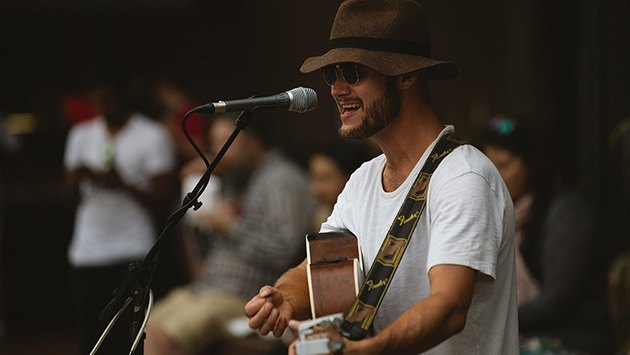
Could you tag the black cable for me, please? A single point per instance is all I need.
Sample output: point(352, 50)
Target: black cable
point(190, 139)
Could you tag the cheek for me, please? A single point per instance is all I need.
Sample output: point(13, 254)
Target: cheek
point(319, 186)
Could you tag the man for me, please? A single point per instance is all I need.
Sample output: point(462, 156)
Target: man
point(454, 291)
point(120, 168)
point(257, 233)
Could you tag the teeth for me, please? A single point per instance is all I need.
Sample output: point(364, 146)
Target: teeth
point(350, 106)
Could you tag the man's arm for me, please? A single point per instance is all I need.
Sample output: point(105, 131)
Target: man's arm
point(431, 321)
point(163, 188)
point(72, 180)
point(155, 199)
point(273, 307)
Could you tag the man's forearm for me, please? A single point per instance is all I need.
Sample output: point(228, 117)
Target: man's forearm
point(156, 198)
point(293, 285)
point(422, 327)
point(72, 181)
point(434, 319)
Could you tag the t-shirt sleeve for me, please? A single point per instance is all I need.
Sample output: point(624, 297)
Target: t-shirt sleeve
point(343, 215)
point(466, 216)
point(71, 159)
point(161, 157)
point(335, 221)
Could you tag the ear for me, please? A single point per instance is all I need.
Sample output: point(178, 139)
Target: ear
point(405, 81)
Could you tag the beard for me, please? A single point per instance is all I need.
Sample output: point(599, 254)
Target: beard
point(378, 114)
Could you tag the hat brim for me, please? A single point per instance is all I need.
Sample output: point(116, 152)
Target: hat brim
point(386, 63)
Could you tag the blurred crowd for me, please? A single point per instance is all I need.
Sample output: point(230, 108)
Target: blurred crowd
point(128, 164)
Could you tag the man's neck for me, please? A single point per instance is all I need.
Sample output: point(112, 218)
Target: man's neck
point(116, 125)
point(404, 142)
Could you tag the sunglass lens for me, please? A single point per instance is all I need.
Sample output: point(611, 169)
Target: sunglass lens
point(330, 74)
point(349, 72)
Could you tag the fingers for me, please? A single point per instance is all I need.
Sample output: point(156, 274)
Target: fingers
point(258, 312)
point(294, 325)
point(255, 304)
point(292, 350)
point(262, 313)
point(270, 321)
point(278, 330)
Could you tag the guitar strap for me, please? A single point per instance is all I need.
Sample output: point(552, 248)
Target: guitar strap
point(359, 319)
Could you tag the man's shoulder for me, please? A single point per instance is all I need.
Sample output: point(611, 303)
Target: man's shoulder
point(88, 125)
point(469, 166)
point(152, 132)
point(84, 132)
point(467, 159)
point(140, 121)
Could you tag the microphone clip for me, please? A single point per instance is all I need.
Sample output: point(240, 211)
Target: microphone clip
point(244, 119)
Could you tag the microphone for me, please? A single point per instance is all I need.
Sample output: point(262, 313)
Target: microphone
point(295, 100)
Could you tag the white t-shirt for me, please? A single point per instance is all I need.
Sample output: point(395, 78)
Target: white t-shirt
point(468, 220)
point(110, 225)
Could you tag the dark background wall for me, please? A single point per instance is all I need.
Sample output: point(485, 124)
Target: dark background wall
point(563, 65)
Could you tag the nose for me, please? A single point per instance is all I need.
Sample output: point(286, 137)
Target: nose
point(340, 86)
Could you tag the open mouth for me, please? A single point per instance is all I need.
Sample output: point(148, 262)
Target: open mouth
point(349, 108)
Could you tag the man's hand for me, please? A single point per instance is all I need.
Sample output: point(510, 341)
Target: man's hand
point(268, 311)
point(109, 179)
point(294, 325)
point(362, 347)
point(102, 178)
point(220, 219)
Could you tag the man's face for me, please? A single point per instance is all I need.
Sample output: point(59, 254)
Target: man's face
point(368, 106)
point(110, 103)
point(220, 131)
point(327, 179)
point(512, 168)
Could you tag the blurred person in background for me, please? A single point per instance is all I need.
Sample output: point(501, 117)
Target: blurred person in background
point(196, 235)
point(120, 171)
point(329, 170)
point(560, 269)
point(257, 231)
point(173, 103)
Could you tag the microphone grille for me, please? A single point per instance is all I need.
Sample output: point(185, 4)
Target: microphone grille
point(303, 99)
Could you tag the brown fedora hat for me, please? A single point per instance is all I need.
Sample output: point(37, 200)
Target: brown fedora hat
point(389, 36)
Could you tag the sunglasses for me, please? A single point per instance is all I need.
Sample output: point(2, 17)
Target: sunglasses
point(349, 71)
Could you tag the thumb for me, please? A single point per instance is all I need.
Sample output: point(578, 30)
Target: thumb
point(295, 324)
point(267, 291)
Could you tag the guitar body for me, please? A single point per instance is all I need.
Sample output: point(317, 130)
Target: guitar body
point(335, 272)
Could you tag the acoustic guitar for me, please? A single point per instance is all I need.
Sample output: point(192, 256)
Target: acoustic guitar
point(335, 272)
point(335, 275)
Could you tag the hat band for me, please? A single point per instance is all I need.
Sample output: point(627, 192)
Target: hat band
point(382, 45)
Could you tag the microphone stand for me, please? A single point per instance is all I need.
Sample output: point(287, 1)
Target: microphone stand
point(135, 287)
